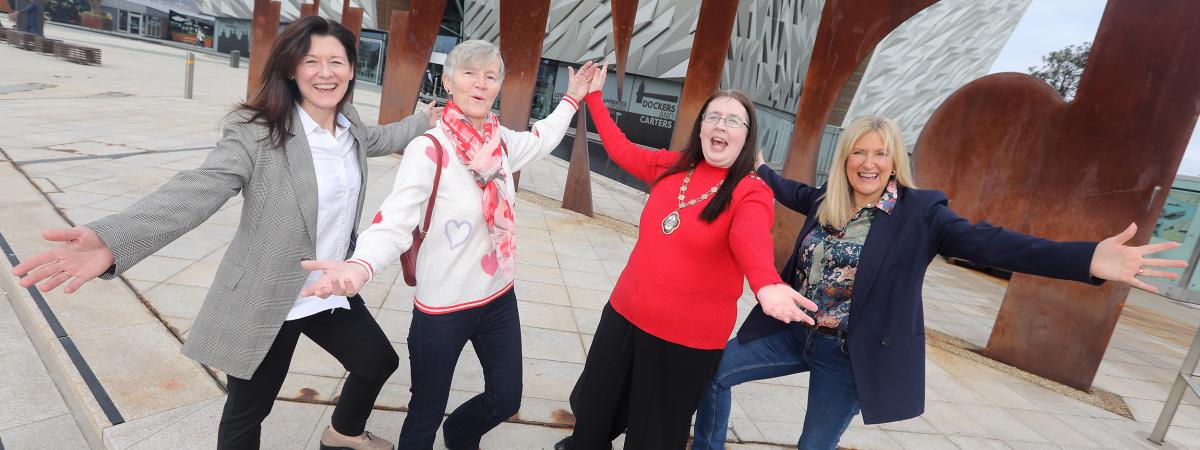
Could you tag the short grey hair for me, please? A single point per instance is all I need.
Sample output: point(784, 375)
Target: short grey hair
point(474, 54)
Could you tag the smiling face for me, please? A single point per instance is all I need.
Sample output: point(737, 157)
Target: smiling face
point(868, 168)
point(323, 75)
point(721, 142)
point(474, 89)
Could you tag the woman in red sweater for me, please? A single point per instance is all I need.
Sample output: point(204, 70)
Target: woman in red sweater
point(705, 227)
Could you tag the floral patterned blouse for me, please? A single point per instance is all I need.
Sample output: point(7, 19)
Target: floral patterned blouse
point(828, 260)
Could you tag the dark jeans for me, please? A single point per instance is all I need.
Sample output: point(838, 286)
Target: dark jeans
point(832, 397)
point(435, 342)
point(638, 384)
point(353, 337)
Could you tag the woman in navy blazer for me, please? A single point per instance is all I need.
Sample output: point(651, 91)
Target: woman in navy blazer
point(868, 287)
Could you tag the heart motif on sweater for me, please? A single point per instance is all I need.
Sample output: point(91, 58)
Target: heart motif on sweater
point(432, 153)
point(457, 232)
point(489, 264)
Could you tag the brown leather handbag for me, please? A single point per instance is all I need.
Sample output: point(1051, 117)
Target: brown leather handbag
point(408, 260)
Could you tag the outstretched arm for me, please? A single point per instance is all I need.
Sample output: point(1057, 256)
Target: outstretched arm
point(121, 240)
point(1088, 262)
point(527, 146)
point(643, 163)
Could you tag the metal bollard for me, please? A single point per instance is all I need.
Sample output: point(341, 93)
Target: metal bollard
point(189, 75)
point(235, 58)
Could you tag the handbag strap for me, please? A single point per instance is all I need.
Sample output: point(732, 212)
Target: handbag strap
point(437, 178)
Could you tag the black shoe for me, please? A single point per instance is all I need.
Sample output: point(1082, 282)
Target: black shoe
point(564, 444)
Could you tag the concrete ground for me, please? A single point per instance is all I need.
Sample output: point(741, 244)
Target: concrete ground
point(102, 368)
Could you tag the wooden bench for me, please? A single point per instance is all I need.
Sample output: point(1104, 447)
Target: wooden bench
point(77, 53)
point(19, 39)
point(45, 45)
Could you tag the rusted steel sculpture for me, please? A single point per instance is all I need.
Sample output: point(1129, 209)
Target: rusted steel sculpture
point(352, 18)
point(265, 27)
point(522, 29)
point(848, 32)
point(623, 13)
point(1008, 149)
point(410, 43)
point(706, 63)
point(577, 195)
point(310, 9)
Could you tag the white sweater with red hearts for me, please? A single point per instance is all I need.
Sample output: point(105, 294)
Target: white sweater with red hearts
point(452, 274)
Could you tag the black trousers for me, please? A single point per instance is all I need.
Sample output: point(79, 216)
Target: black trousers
point(435, 342)
point(353, 337)
point(638, 384)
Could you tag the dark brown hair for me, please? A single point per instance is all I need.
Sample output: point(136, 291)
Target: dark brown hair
point(274, 104)
point(742, 166)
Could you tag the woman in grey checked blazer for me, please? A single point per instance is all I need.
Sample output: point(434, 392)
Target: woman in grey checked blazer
point(296, 152)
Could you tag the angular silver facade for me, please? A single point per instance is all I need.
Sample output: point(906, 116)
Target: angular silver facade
point(289, 10)
point(910, 73)
point(933, 54)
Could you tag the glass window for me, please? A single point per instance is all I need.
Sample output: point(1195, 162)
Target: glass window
point(370, 58)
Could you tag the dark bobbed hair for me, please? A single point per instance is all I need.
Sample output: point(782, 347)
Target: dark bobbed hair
point(274, 102)
point(693, 154)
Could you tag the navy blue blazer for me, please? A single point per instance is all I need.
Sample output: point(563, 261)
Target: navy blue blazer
point(886, 335)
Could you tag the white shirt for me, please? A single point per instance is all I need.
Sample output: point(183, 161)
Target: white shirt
point(335, 161)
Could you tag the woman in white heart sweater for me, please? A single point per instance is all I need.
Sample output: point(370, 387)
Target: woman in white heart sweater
point(465, 268)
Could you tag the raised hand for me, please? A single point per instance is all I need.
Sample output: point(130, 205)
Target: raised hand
point(783, 303)
point(758, 159)
point(598, 79)
point(80, 257)
point(432, 112)
point(578, 81)
point(1115, 261)
point(339, 278)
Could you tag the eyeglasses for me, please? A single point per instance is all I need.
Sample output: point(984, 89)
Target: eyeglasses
point(730, 121)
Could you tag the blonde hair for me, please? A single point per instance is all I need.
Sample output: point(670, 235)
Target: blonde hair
point(838, 206)
point(474, 54)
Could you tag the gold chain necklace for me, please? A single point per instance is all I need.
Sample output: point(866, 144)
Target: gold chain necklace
point(671, 222)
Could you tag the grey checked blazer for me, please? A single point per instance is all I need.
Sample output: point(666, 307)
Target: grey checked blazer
point(260, 275)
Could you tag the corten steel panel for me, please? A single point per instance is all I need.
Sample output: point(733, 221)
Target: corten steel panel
point(522, 29)
point(623, 13)
point(709, 46)
point(352, 19)
point(265, 27)
point(410, 43)
point(577, 196)
point(310, 9)
point(1007, 149)
point(848, 32)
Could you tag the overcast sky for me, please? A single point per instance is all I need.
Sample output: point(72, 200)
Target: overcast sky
point(1049, 25)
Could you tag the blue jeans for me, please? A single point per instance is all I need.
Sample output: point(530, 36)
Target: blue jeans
point(435, 342)
point(832, 397)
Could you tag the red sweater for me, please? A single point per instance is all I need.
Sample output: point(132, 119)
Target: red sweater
point(683, 287)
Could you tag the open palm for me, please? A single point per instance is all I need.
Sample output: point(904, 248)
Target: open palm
point(80, 257)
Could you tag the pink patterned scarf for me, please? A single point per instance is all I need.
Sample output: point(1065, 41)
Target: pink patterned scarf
point(484, 157)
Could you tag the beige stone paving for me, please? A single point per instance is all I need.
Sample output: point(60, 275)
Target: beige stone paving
point(567, 266)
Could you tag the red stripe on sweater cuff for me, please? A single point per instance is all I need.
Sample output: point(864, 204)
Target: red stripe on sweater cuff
point(365, 265)
point(571, 101)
